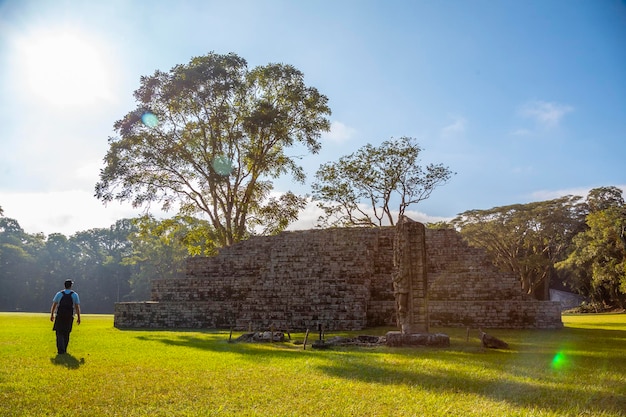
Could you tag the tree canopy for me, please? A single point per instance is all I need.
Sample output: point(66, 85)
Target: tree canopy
point(210, 136)
point(526, 239)
point(596, 263)
point(359, 189)
point(33, 267)
point(602, 198)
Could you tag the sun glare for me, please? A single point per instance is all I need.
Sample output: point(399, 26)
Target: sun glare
point(62, 68)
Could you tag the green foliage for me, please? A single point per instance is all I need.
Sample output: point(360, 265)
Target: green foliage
point(274, 217)
point(603, 198)
point(108, 265)
point(440, 225)
point(582, 244)
point(597, 262)
point(526, 239)
point(576, 371)
point(360, 189)
point(211, 135)
point(34, 267)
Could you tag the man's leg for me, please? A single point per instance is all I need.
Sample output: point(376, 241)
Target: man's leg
point(67, 340)
point(61, 345)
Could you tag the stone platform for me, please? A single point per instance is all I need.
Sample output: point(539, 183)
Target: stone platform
point(397, 339)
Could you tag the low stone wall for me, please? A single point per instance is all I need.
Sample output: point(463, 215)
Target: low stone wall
point(162, 315)
point(339, 277)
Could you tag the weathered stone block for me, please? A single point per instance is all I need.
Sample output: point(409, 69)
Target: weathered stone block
point(397, 339)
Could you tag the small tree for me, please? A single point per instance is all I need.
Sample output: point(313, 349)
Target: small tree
point(359, 189)
point(210, 136)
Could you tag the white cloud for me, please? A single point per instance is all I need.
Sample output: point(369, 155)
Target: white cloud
point(87, 174)
point(457, 127)
point(339, 132)
point(425, 218)
point(543, 195)
point(65, 212)
point(545, 114)
point(307, 218)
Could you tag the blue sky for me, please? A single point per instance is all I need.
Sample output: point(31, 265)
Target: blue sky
point(524, 100)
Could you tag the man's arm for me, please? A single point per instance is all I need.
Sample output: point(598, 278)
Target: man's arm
point(52, 310)
point(77, 308)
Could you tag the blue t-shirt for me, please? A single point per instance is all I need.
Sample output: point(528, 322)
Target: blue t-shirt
point(57, 296)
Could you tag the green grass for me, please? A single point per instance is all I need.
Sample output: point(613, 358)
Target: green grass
point(576, 371)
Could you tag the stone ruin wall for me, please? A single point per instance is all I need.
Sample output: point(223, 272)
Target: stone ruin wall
point(341, 278)
point(467, 290)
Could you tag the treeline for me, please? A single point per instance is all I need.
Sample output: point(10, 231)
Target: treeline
point(107, 265)
point(567, 243)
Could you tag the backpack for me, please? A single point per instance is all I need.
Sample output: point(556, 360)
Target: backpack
point(66, 305)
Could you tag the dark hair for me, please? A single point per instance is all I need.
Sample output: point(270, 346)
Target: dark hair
point(68, 283)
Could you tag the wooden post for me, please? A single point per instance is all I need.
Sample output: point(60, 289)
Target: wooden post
point(306, 338)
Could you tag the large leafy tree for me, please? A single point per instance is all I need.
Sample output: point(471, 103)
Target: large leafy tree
point(596, 264)
point(526, 239)
point(210, 136)
point(367, 187)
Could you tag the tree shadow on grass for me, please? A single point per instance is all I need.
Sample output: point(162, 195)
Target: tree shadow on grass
point(67, 361)
point(503, 385)
point(217, 344)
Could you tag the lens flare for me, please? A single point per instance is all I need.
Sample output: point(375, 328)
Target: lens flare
point(149, 119)
point(559, 361)
point(222, 165)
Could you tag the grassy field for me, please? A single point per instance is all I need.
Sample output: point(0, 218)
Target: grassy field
point(576, 371)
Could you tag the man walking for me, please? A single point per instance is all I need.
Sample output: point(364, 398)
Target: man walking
point(64, 303)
